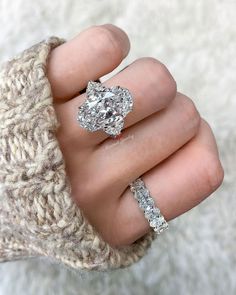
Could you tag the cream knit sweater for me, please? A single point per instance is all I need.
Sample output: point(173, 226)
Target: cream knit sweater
point(37, 215)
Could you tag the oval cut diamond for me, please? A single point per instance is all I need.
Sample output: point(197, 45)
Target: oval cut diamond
point(105, 108)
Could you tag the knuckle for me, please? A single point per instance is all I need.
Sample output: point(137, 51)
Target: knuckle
point(158, 74)
point(213, 173)
point(109, 45)
point(190, 115)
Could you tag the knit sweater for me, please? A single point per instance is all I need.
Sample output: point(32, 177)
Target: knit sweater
point(38, 217)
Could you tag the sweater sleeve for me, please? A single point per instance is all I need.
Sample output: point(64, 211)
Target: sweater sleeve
point(38, 217)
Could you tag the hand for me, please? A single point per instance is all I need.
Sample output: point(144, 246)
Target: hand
point(164, 140)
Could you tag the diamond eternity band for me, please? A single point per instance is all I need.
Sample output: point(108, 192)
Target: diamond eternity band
point(147, 204)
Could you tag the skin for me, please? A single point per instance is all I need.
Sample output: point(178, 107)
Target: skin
point(165, 140)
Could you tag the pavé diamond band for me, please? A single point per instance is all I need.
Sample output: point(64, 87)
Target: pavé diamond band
point(147, 204)
point(105, 108)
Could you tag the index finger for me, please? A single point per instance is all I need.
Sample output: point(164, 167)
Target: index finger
point(95, 52)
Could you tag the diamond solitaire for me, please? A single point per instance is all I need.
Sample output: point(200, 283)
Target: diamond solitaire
point(105, 108)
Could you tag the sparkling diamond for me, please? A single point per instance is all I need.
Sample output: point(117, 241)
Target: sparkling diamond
point(149, 215)
point(148, 208)
point(147, 204)
point(157, 222)
point(153, 213)
point(156, 211)
point(150, 201)
point(105, 108)
point(161, 228)
point(142, 202)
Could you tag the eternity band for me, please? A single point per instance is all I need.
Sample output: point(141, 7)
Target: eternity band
point(147, 204)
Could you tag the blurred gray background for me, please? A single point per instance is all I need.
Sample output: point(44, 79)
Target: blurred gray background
point(197, 42)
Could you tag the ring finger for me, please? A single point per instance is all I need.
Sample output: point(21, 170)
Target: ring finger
point(144, 144)
point(177, 185)
point(113, 165)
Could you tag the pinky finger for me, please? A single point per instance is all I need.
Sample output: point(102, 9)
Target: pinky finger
point(178, 184)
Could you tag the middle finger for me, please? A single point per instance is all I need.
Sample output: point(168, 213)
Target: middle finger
point(145, 144)
point(151, 86)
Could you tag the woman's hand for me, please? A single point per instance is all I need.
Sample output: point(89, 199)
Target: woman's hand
point(165, 140)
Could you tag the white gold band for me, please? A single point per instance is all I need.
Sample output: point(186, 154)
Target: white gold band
point(147, 204)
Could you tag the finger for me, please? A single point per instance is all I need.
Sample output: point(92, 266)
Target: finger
point(146, 144)
point(177, 185)
point(90, 55)
point(151, 86)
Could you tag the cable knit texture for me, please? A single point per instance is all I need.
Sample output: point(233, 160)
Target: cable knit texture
point(37, 214)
